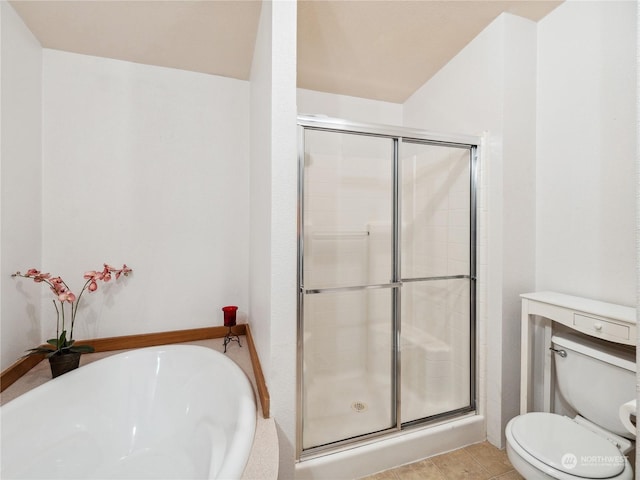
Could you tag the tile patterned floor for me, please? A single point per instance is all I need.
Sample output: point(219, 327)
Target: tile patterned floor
point(481, 461)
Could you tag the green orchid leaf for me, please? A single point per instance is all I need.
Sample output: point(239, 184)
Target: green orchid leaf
point(53, 341)
point(39, 350)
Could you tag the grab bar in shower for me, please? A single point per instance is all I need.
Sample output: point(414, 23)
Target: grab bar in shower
point(350, 288)
point(345, 234)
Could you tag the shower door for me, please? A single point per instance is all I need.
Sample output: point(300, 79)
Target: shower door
point(438, 279)
point(386, 280)
point(347, 286)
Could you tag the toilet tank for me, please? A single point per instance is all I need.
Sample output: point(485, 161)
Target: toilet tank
point(595, 378)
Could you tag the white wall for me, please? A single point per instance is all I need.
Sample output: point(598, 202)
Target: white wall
point(260, 187)
point(149, 166)
point(637, 177)
point(586, 144)
point(273, 215)
point(20, 184)
point(489, 87)
point(346, 107)
point(284, 181)
point(518, 202)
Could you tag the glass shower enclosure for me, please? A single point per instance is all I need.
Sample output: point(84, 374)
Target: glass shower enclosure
point(386, 281)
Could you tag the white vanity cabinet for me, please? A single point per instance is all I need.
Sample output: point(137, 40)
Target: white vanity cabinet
point(607, 321)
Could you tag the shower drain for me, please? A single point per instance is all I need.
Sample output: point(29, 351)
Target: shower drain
point(358, 407)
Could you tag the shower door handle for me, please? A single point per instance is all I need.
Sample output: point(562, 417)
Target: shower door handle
point(350, 288)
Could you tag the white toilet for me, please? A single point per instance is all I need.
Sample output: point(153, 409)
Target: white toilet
point(595, 379)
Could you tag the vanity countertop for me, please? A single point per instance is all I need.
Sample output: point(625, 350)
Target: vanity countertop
point(585, 305)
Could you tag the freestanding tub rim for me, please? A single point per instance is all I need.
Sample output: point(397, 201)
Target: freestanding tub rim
point(202, 374)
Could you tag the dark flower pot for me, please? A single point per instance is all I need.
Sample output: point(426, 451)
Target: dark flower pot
point(62, 363)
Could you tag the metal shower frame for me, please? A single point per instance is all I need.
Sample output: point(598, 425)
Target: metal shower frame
point(398, 135)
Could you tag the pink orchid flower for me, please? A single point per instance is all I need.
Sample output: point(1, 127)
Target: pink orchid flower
point(67, 297)
point(89, 274)
point(61, 290)
point(64, 295)
point(124, 271)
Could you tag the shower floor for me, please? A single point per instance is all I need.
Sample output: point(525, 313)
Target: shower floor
point(343, 407)
point(347, 406)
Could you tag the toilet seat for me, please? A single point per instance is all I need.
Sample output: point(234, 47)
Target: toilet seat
point(563, 448)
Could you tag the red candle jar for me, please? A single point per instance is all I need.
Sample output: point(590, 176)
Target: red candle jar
point(229, 315)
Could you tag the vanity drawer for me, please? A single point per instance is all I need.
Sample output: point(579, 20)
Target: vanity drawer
point(600, 328)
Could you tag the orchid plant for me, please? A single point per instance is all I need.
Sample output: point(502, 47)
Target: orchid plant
point(63, 295)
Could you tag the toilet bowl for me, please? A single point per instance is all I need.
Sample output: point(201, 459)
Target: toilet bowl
point(550, 446)
point(594, 378)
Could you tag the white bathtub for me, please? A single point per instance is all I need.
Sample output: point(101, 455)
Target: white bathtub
point(166, 412)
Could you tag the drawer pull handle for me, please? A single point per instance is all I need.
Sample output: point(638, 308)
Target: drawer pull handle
point(597, 326)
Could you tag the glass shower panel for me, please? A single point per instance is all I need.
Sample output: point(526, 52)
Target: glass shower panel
point(347, 365)
point(436, 275)
point(347, 209)
point(435, 210)
point(435, 345)
point(348, 387)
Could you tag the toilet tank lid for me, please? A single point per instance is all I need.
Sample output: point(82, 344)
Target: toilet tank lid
point(614, 354)
point(564, 445)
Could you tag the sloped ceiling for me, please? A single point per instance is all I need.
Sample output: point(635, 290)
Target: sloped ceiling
point(215, 37)
point(386, 50)
point(382, 49)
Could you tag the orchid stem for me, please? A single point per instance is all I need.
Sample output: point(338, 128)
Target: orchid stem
point(74, 307)
point(57, 322)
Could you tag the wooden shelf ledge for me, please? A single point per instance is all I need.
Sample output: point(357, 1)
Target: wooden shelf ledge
point(128, 342)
